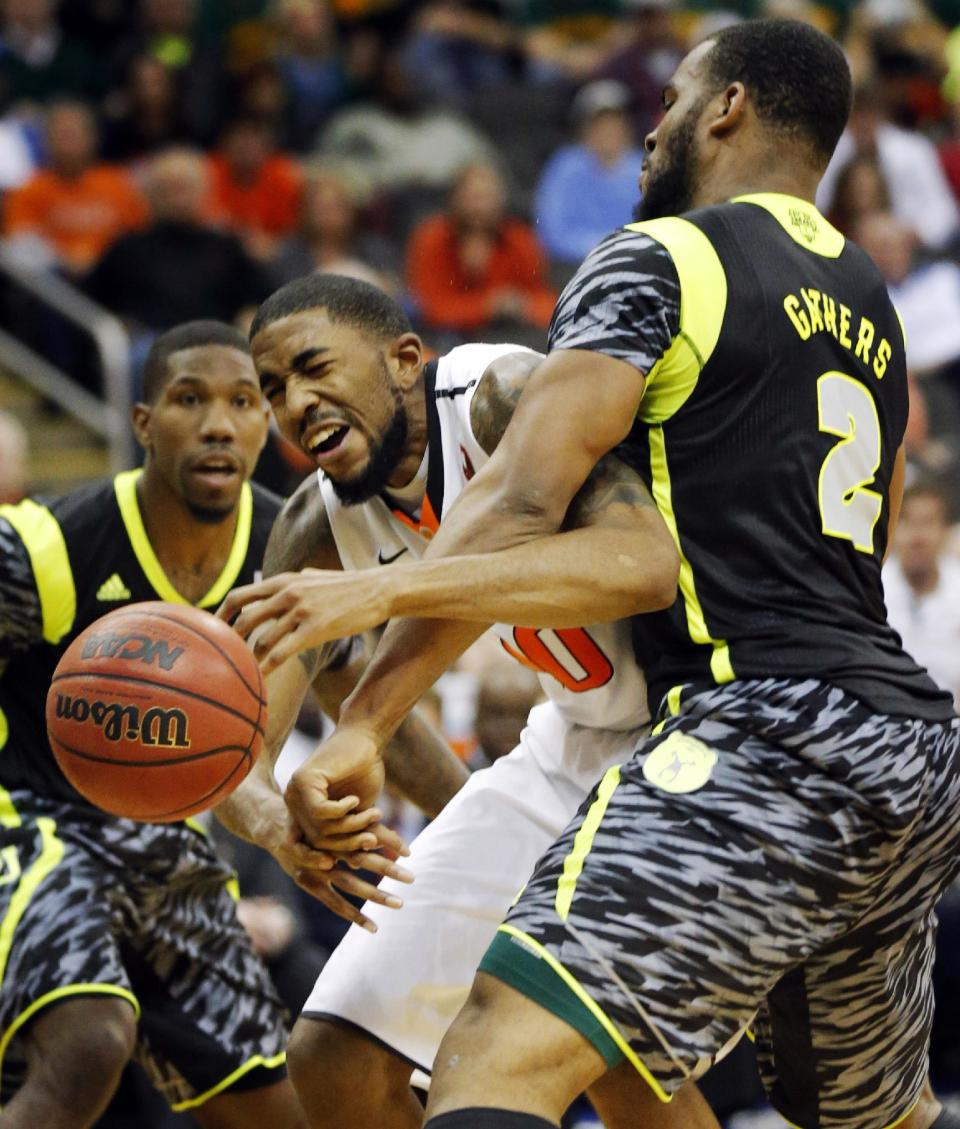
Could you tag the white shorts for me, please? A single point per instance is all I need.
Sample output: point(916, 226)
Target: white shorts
point(404, 984)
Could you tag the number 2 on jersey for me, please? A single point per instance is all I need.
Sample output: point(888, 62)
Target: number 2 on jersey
point(848, 508)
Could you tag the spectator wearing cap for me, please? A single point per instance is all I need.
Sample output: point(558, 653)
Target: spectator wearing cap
point(590, 187)
point(76, 206)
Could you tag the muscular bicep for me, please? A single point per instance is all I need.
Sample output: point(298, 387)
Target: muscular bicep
point(21, 613)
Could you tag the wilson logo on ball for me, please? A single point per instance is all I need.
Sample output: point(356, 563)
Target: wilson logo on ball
point(165, 728)
point(140, 647)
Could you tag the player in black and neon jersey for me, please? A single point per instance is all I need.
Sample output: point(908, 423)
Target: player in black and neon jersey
point(771, 856)
point(119, 937)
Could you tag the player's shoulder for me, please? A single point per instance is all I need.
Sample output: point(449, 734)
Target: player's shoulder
point(83, 510)
point(301, 536)
point(502, 375)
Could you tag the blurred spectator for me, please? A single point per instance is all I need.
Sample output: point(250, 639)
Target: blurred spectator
point(255, 189)
point(860, 191)
point(645, 61)
point(919, 193)
point(165, 31)
point(589, 188)
point(309, 63)
point(474, 270)
point(330, 238)
point(37, 61)
point(506, 693)
point(76, 206)
point(400, 142)
point(922, 585)
point(144, 115)
point(16, 156)
point(14, 449)
point(178, 268)
point(927, 295)
point(459, 46)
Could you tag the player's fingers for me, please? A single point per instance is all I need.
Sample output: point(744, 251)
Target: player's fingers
point(250, 593)
point(350, 824)
point(321, 840)
point(265, 612)
point(353, 884)
point(304, 857)
point(377, 864)
point(390, 840)
point(321, 889)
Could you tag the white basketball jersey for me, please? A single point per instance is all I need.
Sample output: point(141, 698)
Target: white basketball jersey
point(589, 673)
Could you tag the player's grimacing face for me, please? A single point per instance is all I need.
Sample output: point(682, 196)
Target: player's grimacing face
point(670, 168)
point(207, 427)
point(330, 389)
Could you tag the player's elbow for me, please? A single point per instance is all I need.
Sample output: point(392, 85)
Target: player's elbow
point(660, 573)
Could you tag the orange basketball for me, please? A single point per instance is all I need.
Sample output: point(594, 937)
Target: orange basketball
point(156, 711)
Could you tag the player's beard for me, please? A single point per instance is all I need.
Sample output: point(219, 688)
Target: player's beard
point(670, 192)
point(384, 457)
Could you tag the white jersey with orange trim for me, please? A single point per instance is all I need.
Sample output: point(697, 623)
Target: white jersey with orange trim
point(589, 673)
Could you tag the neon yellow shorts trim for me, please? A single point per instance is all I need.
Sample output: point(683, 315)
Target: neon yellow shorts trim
point(245, 1068)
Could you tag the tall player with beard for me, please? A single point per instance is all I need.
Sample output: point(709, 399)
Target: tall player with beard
point(395, 443)
point(771, 856)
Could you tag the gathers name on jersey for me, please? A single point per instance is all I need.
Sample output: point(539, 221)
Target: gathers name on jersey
point(717, 440)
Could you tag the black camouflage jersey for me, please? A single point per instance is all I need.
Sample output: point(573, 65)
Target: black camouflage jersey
point(65, 563)
point(774, 407)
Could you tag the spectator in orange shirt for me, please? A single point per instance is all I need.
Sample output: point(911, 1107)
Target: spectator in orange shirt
point(255, 189)
point(473, 270)
point(76, 206)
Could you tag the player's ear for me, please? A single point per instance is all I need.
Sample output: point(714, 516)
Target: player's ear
point(406, 352)
point(729, 110)
point(140, 418)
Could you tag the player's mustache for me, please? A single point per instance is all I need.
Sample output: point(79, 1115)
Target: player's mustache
point(314, 416)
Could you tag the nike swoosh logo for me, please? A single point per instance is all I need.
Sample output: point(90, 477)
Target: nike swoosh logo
point(381, 559)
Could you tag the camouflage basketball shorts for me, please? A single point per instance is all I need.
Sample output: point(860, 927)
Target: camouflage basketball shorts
point(767, 862)
point(93, 906)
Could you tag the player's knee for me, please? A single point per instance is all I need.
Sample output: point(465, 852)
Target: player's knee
point(78, 1051)
point(325, 1060)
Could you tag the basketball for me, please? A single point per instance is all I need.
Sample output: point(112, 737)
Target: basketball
point(156, 712)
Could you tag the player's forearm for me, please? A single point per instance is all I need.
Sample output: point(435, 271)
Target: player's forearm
point(255, 811)
point(567, 580)
point(422, 766)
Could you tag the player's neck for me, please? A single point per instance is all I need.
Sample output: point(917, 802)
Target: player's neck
point(189, 550)
point(764, 171)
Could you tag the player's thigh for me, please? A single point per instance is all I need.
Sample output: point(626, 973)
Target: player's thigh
point(687, 884)
point(623, 1099)
point(274, 1106)
point(505, 1050)
point(212, 1021)
point(404, 984)
point(56, 913)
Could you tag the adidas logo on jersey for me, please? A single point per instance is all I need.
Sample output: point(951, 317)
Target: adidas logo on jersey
point(113, 589)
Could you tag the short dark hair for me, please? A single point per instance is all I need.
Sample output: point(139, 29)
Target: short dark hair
point(931, 488)
point(190, 335)
point(346, 300)
point(798, 78)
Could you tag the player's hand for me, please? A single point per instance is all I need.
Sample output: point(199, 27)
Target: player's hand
point(329, 889)
point(308, 608)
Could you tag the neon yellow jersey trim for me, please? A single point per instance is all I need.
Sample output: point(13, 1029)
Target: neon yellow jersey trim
point(583, 842)
point(250, 1064)
point(9, 816)
point(673, 705)
point(703, 302)
point(593, 1007)
point(43, 538)
point(801, 221)
point(4, 729)
point(50, 856)
point(58, 994)
point(720, 665)
point(125, 486)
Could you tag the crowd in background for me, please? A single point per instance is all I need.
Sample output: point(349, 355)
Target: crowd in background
point(176, 159)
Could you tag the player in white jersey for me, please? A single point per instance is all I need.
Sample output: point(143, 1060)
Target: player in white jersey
point(385, 999)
